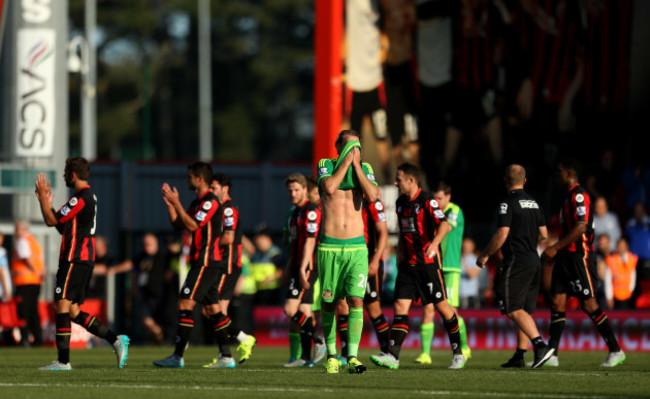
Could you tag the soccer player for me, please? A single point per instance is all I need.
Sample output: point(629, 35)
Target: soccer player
point(76, 222)
point(303, 230)
point(203, 220)
point(342, 252)
point(376, 236)
point(231, 252)
point(574, 272)
point(451, 271)
point(521, 227)
point(422, 226)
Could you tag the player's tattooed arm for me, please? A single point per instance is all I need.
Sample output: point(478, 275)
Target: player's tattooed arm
point(307, 256)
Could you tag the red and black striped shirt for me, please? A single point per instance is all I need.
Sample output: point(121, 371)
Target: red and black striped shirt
point(578, 208)
point(76, 223)
point(552, 36)
point(232, 253)
point(304, 223)
point(372, 213)
point(207, 212)
point(607, 58)
point(419, 219)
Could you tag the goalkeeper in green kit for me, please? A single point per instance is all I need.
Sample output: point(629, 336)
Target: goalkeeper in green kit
point(342, 252)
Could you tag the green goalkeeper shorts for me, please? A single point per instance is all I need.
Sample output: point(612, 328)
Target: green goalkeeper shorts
point(343, 268)
point(452, 284)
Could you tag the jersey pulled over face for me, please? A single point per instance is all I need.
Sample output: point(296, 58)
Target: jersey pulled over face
point(76, 223)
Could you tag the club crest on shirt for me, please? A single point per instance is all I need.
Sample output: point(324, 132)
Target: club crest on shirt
point(327, 294)
point(73, 201)
point(228, 212)
point(580, 198)
point(379, 206)
point(207, 205)
point(434, 203)
point(503, 208)
point(311, 216)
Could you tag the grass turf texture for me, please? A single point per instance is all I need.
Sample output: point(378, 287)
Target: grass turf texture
point(95, 375)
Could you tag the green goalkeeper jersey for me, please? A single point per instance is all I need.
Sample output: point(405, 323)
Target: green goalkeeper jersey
point(451, 244)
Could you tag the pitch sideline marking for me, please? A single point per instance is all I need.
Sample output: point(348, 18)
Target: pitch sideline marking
point(285, 389)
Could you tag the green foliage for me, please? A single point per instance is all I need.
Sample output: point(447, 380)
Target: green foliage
point(261, 73)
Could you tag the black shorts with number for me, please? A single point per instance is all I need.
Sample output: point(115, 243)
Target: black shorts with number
point(201, 284)
point(374, 285)
point(517, 287)
point(72, 281)
point(575, 275)
point(415, 282)
point(296, 291)
point(226, 284)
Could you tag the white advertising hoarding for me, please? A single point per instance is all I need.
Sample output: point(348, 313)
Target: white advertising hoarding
point(35, 107)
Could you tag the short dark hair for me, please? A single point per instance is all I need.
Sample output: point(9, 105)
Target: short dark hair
point(201, 169)
point(312, 183)
point(410, 170)
point(79, 165)
point(296, 178)
point(515, 175)
point(444, 187)
point(572, 166)
point(223, 179)
point(339, 138)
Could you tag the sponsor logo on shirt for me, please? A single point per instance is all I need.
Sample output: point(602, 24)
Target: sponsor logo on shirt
point(581, 210)
point(528, 204)
point(322, 171)
point(65, 210)
point(200, 216)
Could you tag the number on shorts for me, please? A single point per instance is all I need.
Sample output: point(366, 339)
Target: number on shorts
point(92, 230)
point(576, 286)
point(362, 282)
point(430, 288)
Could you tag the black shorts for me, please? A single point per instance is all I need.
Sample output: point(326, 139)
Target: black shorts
point(367, 103)
point(72, 281)
point(517, 287)
point(296, 291)
point(200, 284)
point(227, 284)
point(400, 102)
point(374, 285)
point(575, 275)
point(415, 282)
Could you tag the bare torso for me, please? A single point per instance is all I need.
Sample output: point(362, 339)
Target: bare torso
point(342, 214)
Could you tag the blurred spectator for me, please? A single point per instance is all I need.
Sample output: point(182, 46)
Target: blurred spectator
point(604, 179)
point(390, 274)
point(97, 285)
point(434, 51)
point(5, 274)
point(150, 268)
point(266, 267)
point(606, 222)
point(468, 293)
point(636, 183)
point(244, 296)
point(620, 277)
point(398, 18)
point(603, 250)
point(638, 234)
point(27, 270)
point(171, 288)
point(363, 73)
point(478, 46)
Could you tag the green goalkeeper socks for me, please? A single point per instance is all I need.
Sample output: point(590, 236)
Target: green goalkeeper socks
point(329, 331)
point(295, 349)
point(355, 327)
point(426, 336)
point(463, 333)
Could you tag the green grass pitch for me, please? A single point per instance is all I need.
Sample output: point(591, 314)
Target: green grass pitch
point(94, 375)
